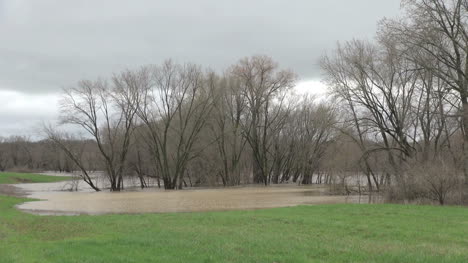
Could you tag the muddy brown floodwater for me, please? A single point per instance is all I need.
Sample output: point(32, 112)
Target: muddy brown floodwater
point(57, 202)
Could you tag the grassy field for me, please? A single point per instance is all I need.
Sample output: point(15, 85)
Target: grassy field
point(16, 178)
point(326, 233)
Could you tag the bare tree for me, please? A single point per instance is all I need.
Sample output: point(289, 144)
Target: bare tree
point(378, 87)
point(226, 128)
point(263, 86)
point(174, 111)
point(107, 113)
point(316, 124)
point(438, 30)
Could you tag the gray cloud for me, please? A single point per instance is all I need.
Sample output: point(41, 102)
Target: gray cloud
point(49, 44)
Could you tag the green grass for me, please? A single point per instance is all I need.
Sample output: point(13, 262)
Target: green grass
point(16, 178)
point(325, 233)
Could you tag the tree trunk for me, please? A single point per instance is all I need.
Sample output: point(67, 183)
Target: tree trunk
point(465, 144)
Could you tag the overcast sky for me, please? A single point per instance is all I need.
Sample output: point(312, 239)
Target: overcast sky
point(46, 45)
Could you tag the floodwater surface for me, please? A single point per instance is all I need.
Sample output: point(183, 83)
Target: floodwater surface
point(56, 202)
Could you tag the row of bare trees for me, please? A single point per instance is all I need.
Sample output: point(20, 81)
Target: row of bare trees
point(183, 125)
point(22, 154)
point(405, 98)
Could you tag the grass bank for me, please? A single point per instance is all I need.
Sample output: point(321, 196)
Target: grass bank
point(325, 233)
point(16, 178)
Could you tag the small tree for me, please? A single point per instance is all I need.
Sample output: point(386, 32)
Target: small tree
point(437, 179)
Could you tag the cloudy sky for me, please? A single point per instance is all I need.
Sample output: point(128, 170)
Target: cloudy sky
point(50, 44)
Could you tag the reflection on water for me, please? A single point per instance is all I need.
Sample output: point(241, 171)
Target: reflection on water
point(153, 200)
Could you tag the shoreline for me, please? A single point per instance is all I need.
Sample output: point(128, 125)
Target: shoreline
point(12, 190)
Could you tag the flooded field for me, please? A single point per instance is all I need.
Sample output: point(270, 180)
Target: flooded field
point(55, 201)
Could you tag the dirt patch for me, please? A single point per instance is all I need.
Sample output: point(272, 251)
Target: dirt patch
point(11, 190)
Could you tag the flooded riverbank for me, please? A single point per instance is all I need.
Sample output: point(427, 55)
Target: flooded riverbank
point(154, 200)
